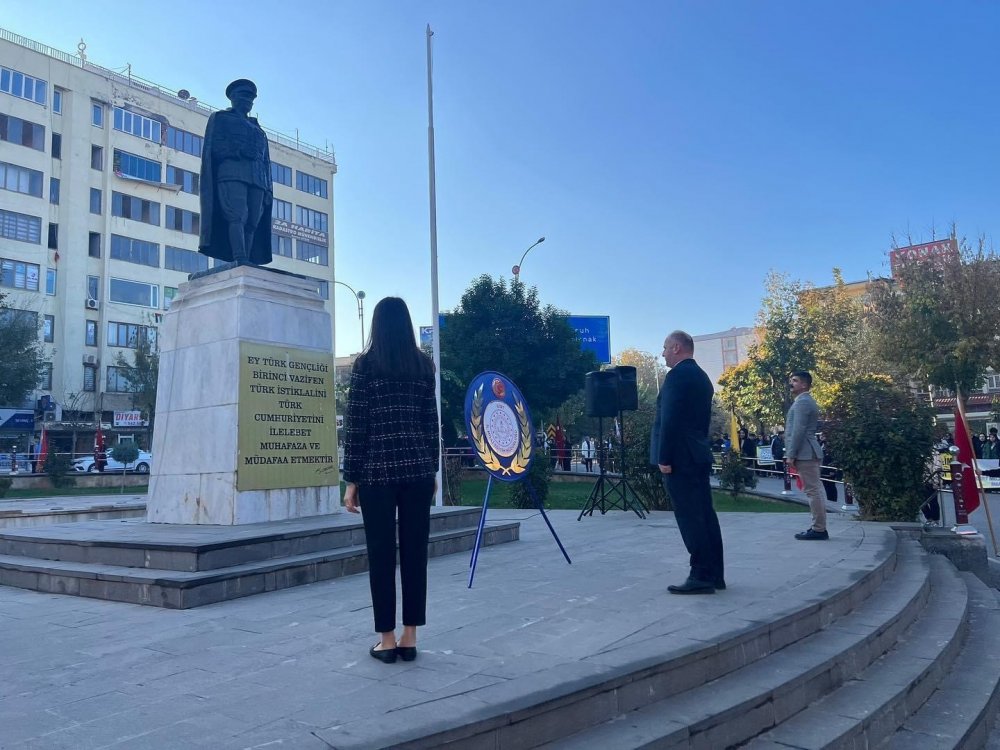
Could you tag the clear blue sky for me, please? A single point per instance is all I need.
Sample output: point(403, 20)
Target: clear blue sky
point(671, 152)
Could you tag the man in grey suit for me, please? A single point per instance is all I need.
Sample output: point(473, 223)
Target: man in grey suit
point(803, 452)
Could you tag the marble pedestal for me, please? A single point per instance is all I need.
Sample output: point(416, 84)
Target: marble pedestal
point(195, 439)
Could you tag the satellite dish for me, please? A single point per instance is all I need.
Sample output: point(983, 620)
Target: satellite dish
point(184, 94)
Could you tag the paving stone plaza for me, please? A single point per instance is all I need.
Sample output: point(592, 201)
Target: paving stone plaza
point(538, 652)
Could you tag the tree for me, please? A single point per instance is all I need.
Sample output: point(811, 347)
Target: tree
point(22, 361)
point(649, 371)
point(939, 322)
point(505, 328)
point(143, 372)
point(125, 453)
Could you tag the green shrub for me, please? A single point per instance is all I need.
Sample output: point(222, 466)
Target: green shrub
point(735, 475)
point(5, 483)
point(125, 453)
point(538, 475)
point(59, 469)
point(452, 490)
point(882, 439)
point(644, 479)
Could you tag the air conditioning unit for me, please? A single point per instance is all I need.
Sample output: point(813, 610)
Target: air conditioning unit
point(89, 359)
point(91, 304)
point(50, 416)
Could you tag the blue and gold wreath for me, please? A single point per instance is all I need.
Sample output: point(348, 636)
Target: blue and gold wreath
point(521, 459)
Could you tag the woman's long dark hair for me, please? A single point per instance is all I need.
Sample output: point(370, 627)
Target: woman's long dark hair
point(392, 349)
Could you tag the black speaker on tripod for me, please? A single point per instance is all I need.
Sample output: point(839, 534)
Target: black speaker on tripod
point(628, 388)
point(600, 393)
point(603, 398)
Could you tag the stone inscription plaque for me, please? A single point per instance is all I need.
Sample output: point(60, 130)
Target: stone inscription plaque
point(287, 422)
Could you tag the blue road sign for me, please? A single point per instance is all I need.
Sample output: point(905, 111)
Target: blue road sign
point(595, 334)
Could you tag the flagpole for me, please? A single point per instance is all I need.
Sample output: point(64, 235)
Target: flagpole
point(435, 305)
point(975, 469)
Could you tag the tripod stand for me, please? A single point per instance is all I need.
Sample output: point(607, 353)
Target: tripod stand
point(622, 486)
point(608, 494)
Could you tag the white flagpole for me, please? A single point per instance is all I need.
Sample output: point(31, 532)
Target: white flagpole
point(435, 305)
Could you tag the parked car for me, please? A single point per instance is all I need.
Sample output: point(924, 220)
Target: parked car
point(141, 465)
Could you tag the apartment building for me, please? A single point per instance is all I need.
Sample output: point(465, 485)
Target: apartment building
point(717, 352)
point(99, 219)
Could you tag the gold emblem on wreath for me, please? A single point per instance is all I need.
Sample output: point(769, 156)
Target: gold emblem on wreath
point(519, 463)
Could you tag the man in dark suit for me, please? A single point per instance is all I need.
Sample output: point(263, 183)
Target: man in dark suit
point(679, 446)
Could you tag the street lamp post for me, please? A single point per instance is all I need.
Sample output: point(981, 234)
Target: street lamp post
point(517, 269)
point(359, 297)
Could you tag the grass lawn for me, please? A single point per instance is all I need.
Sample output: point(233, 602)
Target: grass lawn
point(46, 492)
point(573, 495)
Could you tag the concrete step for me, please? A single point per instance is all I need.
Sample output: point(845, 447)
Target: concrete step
point(959, 714)
point(194, 548)
point(867, 710)
point(178, 589)
point(738, 706)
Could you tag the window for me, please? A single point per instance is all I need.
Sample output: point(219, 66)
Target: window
point(20, 227)
point(53, 236)
point(97, 158)
point(281, 245)
point(13, 315)
point(281, 174)
point(94, 245)
point(282, 210)
point(135, 293)
point(189, 182)
point(183, 220)
point(322, 288)
point(50, 281)
point(137, 125)
point(17, 275)
point(18, 84)
point(22, 132)
point(169, 292)
point(184, 141)
point(89, 378)
point(97, 114)
point(118, 381)
point(90, 339)
point(57, 95)
point(20, 179)
point(311, 253)
point(307, 183)
point(49, 328)
point(56, 146)
point(312, 219)
point(127, 334)
point(95, 201)
point(54, 191)
point(130, 165)
point(135, 251)
point(993, 382)
point(179, 259)
point(45, 381)
point(137, 209)
point(94, 287)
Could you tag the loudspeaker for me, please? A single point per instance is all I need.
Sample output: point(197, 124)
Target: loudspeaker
point(628, 388)
point(601, 393)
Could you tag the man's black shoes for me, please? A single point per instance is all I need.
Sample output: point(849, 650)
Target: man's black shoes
point(810, 535)
point(693, 586)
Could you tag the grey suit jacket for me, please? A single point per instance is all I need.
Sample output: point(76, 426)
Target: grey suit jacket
point(800, 430)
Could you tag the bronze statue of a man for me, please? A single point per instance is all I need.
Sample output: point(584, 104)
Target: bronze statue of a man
point(236, 189)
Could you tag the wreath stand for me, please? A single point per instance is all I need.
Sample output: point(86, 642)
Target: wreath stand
point(482, 524)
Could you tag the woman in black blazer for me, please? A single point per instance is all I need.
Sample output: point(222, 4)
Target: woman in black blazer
point(391, 455)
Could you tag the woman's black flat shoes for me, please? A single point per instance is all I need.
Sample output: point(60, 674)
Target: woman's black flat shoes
point(387, 655)
point(407, 653)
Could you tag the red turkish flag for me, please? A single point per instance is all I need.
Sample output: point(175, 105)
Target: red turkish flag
point(966, 457)
point(43, 452)
point(100, 455)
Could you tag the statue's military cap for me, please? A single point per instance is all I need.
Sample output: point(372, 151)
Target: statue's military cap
point(241, 82)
